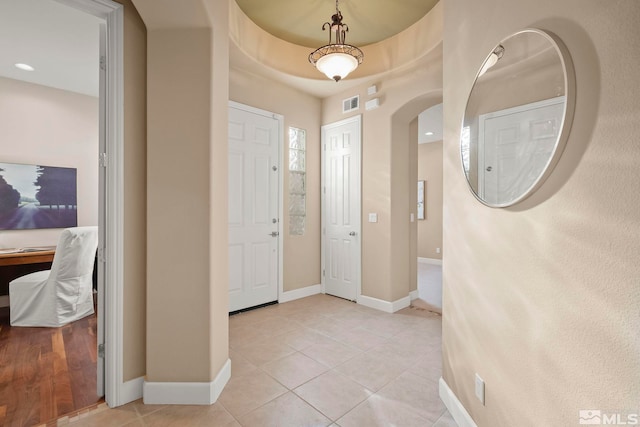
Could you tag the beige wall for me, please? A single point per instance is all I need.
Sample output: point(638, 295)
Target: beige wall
point(187, 263)
point(51, 127)
point(218, 178)
point(178, 205)
point(430, 229)
point(388, 180)
point(542, 299)
point(135, 173)
point(401, 209)
point(301, 253)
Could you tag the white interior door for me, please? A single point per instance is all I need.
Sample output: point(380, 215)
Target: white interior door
point(514, 147)
point(254, 225)
point(341, 251)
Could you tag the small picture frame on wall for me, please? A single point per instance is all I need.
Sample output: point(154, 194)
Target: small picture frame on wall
point(422, 209)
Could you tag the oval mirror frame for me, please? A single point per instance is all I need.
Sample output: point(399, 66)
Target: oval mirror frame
point(508, 67)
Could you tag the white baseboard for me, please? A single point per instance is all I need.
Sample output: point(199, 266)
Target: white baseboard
point(457, 411)
point(400, 304)
point(4, 301)
point(300, 293)
point(413, 295)
point(131, 390)
point(429, 261)
point(187, 393)
point(386, 306)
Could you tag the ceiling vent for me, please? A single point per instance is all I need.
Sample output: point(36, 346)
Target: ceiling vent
point(351, 104)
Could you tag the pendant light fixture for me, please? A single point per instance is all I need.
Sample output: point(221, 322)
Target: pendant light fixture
point(337, 59)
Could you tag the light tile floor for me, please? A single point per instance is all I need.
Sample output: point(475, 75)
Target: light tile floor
point(316, 361)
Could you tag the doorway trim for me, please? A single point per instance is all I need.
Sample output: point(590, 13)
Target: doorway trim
point(280, 119)
point(111, 253)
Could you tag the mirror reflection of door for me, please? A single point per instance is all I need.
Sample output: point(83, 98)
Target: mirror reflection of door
point(521, 104)
point(515, 146)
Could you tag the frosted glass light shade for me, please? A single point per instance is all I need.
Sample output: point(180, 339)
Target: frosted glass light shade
point(337, 65)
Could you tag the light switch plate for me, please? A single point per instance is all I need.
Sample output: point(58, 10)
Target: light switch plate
point(373, 217)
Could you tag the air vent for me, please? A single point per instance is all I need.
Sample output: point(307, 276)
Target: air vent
point(351, 104)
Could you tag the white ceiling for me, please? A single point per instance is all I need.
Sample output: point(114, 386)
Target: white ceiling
point(430, 120)
point(61, 43)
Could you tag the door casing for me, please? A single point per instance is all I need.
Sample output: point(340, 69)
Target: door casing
point(111, 245)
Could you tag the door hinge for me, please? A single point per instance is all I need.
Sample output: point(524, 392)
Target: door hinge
point(101, 255)
point(323, 272)
point(103, 63)
point(101, 351)
point(103, 159)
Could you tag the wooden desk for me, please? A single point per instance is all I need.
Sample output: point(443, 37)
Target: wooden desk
point(28, 257)
point(16, 264)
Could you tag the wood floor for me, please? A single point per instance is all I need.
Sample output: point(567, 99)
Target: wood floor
point(46, 373)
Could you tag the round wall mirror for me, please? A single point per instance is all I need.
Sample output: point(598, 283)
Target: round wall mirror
point(517, 118)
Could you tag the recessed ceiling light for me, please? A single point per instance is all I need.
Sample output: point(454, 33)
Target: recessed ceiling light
point(428, 133)
point(25, 67)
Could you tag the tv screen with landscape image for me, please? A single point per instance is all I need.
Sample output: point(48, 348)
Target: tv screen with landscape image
point(34, 196)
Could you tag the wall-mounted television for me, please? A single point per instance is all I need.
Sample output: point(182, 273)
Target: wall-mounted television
point(35, 196)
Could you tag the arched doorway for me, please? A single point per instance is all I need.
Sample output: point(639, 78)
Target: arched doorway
point(404, 131)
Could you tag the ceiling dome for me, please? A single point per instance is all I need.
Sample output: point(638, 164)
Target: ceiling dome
point(254, 50)
point(300, 22)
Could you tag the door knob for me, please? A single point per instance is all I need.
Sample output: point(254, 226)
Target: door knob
point(353, 233)
point(274, 234)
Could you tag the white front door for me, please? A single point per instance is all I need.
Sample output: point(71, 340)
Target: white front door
point(254, 225)
point(514, 147)
point(341, 143)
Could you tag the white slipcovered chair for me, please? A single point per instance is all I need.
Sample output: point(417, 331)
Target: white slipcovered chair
point(63, 294)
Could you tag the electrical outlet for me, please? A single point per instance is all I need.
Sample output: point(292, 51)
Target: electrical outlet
point(437, 250)
point(373, 217)
point(480, 389)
